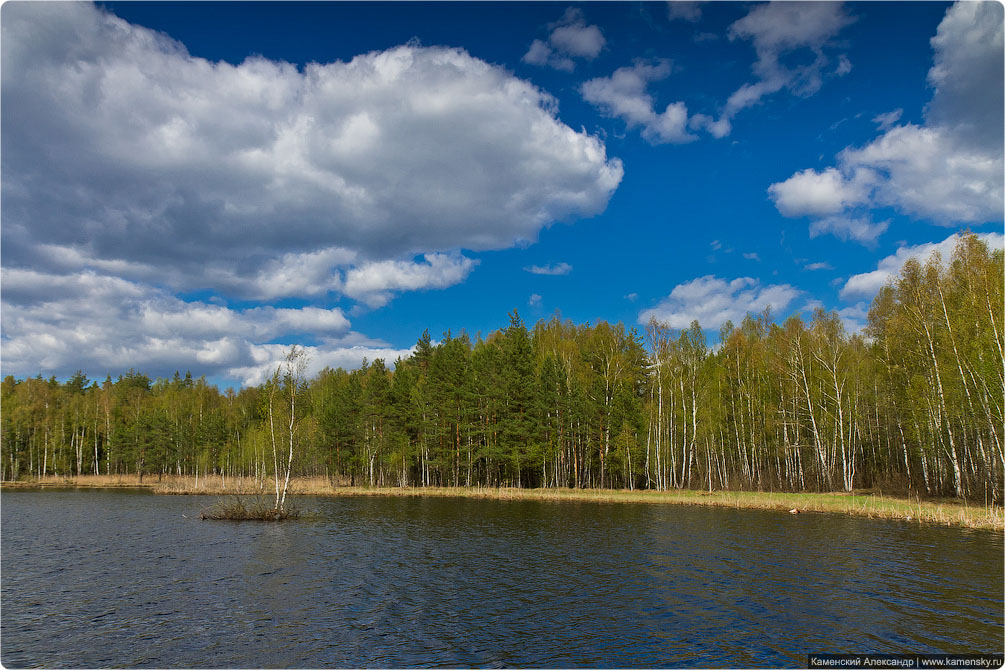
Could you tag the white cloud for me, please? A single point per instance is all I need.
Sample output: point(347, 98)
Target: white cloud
point(550, 269)
point(308, 274)
point(777, 29)
point(534, 300)
point(632, 297)
point(122, 148)
point(684, 10)
point(570, 38)
point(716, 128)
point(372, 283)
point(888, 119)
point(811, 306)
point(624, 95)
point(818, 266)
point(293, 274)
point(928, 173)
point(539, 53)
point(576, 38)
point(855, 317)
point(56, 324)
point(867, 284)
point(132, 170)
point(860, 229)
point(844, 66)
point(967, 74)
point(949, 170)
point(267, 357)
point(712, 301)
point(752, 256)
point(812, 193)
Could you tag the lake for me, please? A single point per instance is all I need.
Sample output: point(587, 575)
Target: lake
point(97, 578)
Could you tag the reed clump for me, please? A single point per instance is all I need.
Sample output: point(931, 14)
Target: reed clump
point(239, 508)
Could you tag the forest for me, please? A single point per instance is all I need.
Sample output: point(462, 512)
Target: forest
point(912, 404)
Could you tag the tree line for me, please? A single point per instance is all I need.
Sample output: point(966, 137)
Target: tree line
point(912, 404)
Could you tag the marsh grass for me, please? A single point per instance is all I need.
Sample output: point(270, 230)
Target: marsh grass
point(872, 504)
point(866, 504)
point(248, 508)
point(217, 484)
point(88, 481)
point(212, 485)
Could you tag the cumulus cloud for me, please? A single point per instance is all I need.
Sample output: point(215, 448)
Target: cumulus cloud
point(928, 173)
point(712, 301)
point(550, 269)
point(812, 193)
point(967, 74)
point(867, 284)
point(625, 95)
point(948, 170)
point(133, 171)
point(373, 283)
point(60, 323)
point(570, 38)
point(534, 300)
point(304, 274)
point(122, 148)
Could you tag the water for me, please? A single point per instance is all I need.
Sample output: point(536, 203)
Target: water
point(113, 578)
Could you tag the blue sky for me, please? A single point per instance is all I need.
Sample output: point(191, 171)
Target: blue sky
point(200, 185)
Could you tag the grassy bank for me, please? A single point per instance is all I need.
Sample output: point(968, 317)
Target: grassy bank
point(866, 504)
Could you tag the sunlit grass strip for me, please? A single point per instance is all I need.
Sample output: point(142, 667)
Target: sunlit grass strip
point(89, 481)
point(870, 505)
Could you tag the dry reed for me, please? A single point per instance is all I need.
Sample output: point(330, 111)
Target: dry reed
point(240, 508)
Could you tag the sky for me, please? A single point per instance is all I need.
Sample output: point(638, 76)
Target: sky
point(199, 186)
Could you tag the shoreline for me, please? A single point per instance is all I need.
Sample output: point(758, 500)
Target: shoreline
point(863, 503)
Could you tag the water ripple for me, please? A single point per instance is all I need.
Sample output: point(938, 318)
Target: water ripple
point(99, 579)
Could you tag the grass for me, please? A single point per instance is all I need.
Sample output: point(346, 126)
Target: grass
point(943, 512)
point(86, 481)
point(241, 508)
point(861, 503)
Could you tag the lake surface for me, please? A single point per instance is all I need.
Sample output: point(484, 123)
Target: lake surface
point(114, 578)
